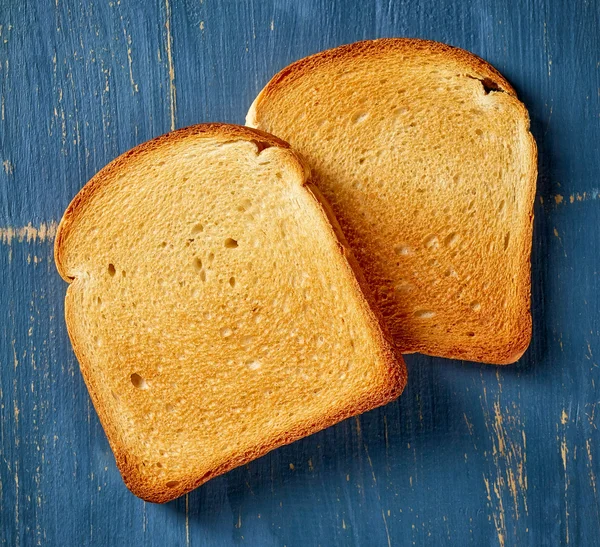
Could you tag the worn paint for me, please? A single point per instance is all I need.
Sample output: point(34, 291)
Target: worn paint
point(469, 455)
point(29, 233)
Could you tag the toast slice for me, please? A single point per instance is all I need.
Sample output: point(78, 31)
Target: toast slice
point(213, 309)
point(424, 152)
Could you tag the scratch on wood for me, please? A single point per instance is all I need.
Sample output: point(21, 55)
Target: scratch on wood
point(559, 199)
point(134, 86)
point(17, 501)
point(509, 445)
point(588, 446)
point(17, 438)
point(45, 231)
point(172, 89)
point(547, 51)
point(385, 433)
point(187, 519)
point(385, 524)
point(564, 453)
point(469, 424)
point(498, 517)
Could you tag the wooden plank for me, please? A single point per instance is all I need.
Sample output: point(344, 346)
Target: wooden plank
point(469, 455)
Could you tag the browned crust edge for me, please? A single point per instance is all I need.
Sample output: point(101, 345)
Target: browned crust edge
point(288, 75)
point(80, 201)
point(395, 379)
point(506, 354)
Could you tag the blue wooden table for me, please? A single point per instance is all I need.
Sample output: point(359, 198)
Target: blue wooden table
point(469, 455)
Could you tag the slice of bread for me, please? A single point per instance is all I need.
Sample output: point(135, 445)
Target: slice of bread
point(424, 152)
point(213, 310)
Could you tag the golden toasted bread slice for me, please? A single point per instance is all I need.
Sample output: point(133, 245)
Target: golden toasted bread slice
point(213, 310)
point(425, 154)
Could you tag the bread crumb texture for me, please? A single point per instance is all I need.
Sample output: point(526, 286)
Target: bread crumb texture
point(211, 310)
point(425, 154)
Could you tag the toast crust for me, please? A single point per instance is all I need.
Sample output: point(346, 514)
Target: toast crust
point(475, 68)
point(103, 177)
point(373, 49)
point(395, 377)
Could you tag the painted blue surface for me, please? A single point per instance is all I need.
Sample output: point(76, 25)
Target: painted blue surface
point(469, 455)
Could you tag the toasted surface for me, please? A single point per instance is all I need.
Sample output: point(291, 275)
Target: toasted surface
point(425, 154)
point(212, 309)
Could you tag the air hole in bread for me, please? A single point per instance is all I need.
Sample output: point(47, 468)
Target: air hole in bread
point(138, 381)
point(211, 257)
point(359, 117)
point(424, 314)
point(489, 85)
point(246, 340)
point(403, 287)
point(506, 240)
point(172, 484)
point(169, 407)
point(253, 364)
point(478, 132)
point(98, 300)
point(470, 333)
point(197, 228)
point(197, 264)
point(475, 306)
point(123, 273)
point(226, 332)
point(402, 250)
point(451, 239)
point(115, 395)
point(432, 242)
point(230, 243)
point(232, 281)
point(111, 270)
point(159, 465)
point(202, 276)
point(501, 206)
point(244, 206)
point(163, 244)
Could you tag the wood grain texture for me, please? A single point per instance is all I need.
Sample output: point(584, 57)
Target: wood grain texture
point(469, 455)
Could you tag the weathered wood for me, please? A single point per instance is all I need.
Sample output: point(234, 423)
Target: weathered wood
point(469, 455)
